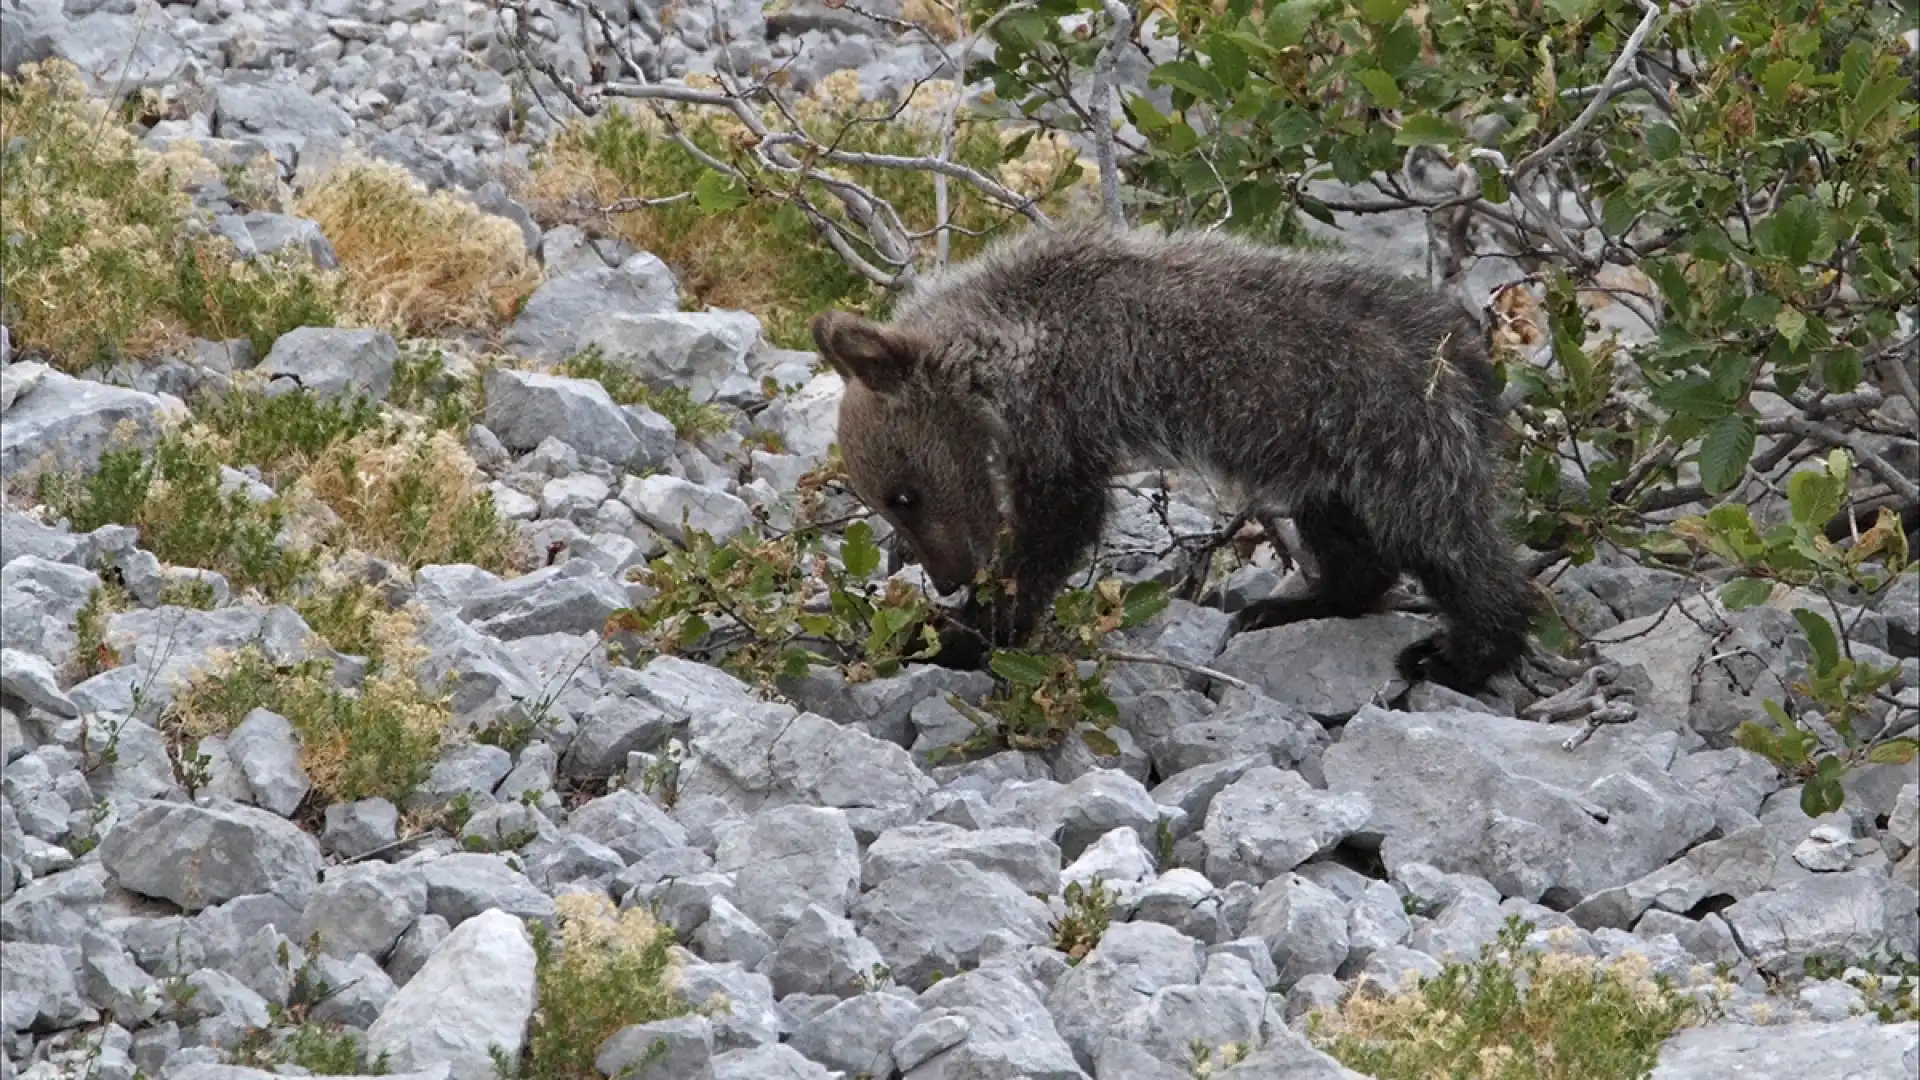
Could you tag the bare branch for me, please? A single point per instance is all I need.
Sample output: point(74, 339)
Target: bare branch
point(1105, 69)
point(1619, 75)
point(1180, 665)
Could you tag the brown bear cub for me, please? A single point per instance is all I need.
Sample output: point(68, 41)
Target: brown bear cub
point(1006, 391)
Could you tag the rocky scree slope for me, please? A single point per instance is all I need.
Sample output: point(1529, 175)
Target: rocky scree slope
point(862, 908)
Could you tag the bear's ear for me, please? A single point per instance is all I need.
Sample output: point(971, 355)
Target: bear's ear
point(860, 349)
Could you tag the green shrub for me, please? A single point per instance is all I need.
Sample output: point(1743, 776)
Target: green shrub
point(607, 970)
point(379, 741)
point(1515, 1013)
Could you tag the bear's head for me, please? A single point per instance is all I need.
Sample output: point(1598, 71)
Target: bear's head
point(915, 445)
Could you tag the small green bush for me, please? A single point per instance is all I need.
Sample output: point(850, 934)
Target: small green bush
point(1515, 1013)
point(606, 971)
point(381, 740)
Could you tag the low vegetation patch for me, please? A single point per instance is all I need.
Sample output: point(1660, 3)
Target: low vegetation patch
point(608, 969)
point(379, 740)
point(1514, 1013)
point(763, 255)
point(99, 261)
point(407, 494)
point(414, 499)
point(418, 262)
point(186, 516)
point(692, 420)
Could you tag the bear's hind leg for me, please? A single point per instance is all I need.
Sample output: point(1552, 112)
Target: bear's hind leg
point(1353, 574)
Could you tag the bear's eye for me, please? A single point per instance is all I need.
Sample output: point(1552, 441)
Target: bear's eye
point(903, 500)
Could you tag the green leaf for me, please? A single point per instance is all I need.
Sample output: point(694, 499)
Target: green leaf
point(1382, 12)
point(1821, 795)
point(1743, 593)
point(1792, 324)
point(1400, 48)
point(714, 193)
point(1894, 752)
point(1725, 452)
point(1663, 141)
point(693, 630)
point(1820, 637)
point(1872, 100)
point(858, 551)
point(1099, 742)
point(1424, 131)
point(1795, 232)
point(1189, 76)
point(1145, 115)
point(1287, 22)
point(1144, 600)
point(1229, 65)
point(1380, 85)
point(1778, 78)
point(1841, 370)
point(1020, 668)
point(1814, 498)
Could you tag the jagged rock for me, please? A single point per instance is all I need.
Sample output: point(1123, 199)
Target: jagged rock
point(857, 1035)
point(482, 675)
point(364, 908)
point(475, 994)
point(1498, 798)
point(266, 749)
point(805, 420)
point(32, 680)
point(1105, 992)
point(463, 885)
point(672, 506)
point(116, 52)
point(524, 408)
point(1329, 667)
point(775, 1062)
point(660, 1050)
point(199, 856)
point(791, 858)
point(768, 753)
point(329, 362)
point(628, 823)
point(1859, 1046)
point(751, 1018)
point(21, 535)
point(551, 323)
point(573, 597)
point(987, 1024)
point(937, 917)
point(41, 994)
point(1836, 917)
point(166, 645)
point(356, 828)
point(1303, 925)
point(702, 351)
point(822, 954)
point(1026, 858)
point(39, 602)
point(1269, 821)
point(613, 727)
point(261, 233)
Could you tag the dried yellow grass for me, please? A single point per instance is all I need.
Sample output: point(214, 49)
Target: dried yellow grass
point(416, 499)
point(414, 261)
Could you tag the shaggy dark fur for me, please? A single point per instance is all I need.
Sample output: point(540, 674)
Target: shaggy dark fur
point(1010, 388)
